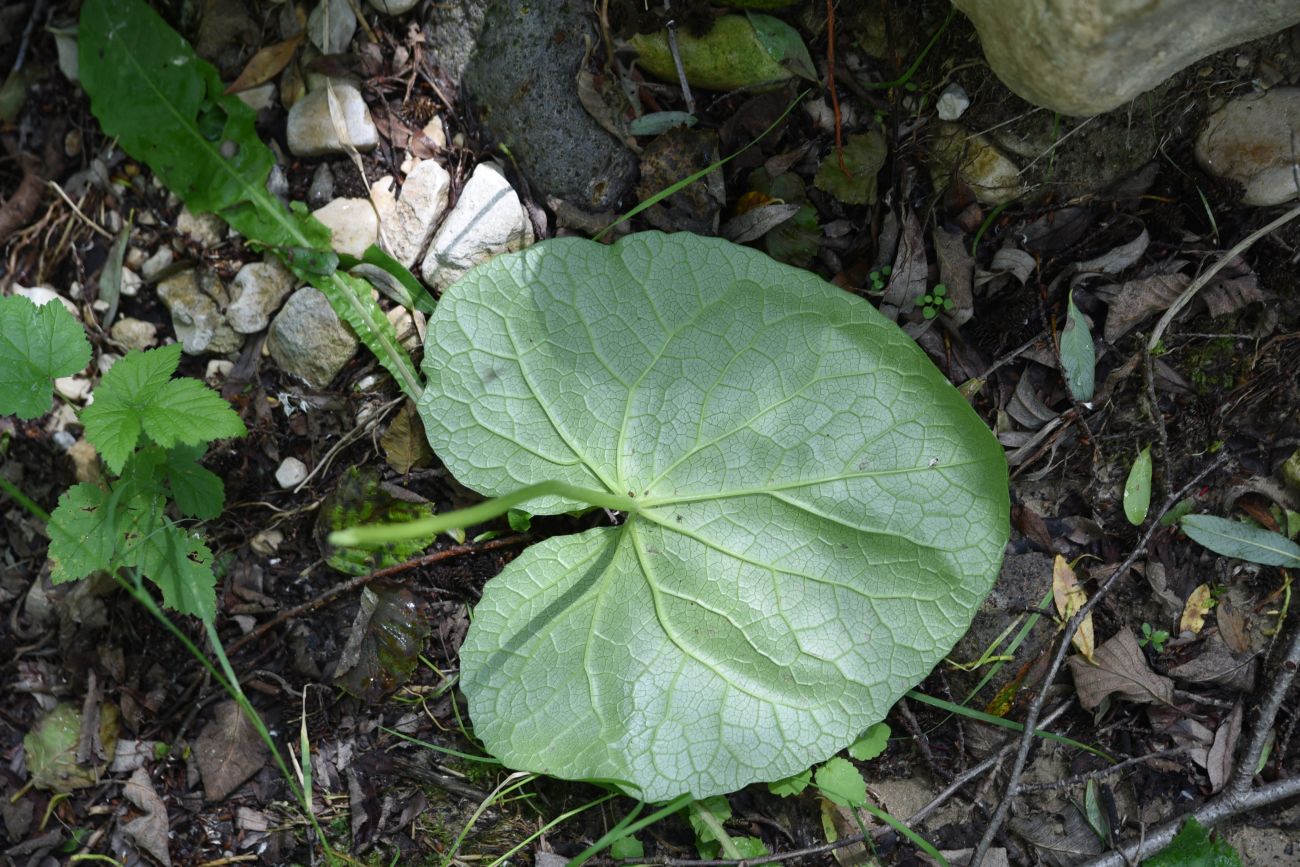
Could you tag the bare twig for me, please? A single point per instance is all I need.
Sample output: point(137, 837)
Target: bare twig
point(1058, 659)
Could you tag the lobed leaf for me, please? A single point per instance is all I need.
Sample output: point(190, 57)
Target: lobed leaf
point(37, 344)
point(81, 542)
point(198, 492)
point(817, 512)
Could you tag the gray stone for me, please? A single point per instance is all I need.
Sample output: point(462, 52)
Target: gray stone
point(1252, 141)
point(352, 223)
point(486, 220)
point(1083, 57)
point(134, 333)
point(206, 230)
point(394, 7)
point(195, 300)
point(991, 175)
point(257, 289)
point(307, 339)
point(408, 220)
point(156, 264)
point(311, 131)
point(330, 26)
point(321, 189)
point(952, 103)
point(290, 472)
point(521, 80)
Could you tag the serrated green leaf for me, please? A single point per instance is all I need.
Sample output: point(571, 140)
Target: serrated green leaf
point(37, 344)
point(750, 847)
point(198, 492)
point(180, 564)
point(841, 783)
point(1194, 848)
point(50, 752)
point(1078, 356)
point(81, 541)
point(1137, 489)
point(1235, 539)
point(873, 742)
point(854, 183)
point(168, 109)
point(791, 785)
point(816, 513)
point(138, 395)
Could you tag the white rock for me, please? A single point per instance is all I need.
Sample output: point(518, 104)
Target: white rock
point(1082, 57)
point(194, 302)
point(260, 97)
point(352, 223)
point(394, 7)
point(436, 132)
point(290, 472)
point(258, 290)
point(73, 388)
point(307, 339)
point(134, 333)
point(42, 295)
point(1251, 140)
point(156, 264)
point(331, 25)
point(204, 229)
point(217, 371)
point(312, 131)
point(486, 220)
point(130, 283)
point(408, 221)
point(952, 103)
point(991, 175)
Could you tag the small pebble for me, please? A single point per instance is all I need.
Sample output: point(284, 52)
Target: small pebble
point(322, 187)
point(952, 103)
point(290, 473)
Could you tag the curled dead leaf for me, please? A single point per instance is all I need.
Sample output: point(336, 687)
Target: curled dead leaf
point(1069, 598)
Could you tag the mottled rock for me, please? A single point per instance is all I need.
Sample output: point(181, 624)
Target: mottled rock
point(307, 339)
point(134, 333)
point(520, 78)
point(311, 131)
point(257, 290)
point(352, 223)
point(206, 230)
point(991, 175)
point(157, 263)
point(408, 220)
point(195, 300)
point(486, 220)
point(1252, 140)
point(321, 189)
point(1082, 57)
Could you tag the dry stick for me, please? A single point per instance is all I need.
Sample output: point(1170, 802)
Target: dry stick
point(361, 580)
point(1200, 282)
point(1036, 706)
point(1238, 797)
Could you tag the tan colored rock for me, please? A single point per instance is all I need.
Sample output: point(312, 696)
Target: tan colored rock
point(1083, 57)
point(352, 223)
point(1252, 140)
point(991, 175)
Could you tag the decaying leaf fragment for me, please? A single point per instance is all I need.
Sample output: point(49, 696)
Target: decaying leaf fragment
point(1069, 598)
point(1119, 668)
point(1198, 605)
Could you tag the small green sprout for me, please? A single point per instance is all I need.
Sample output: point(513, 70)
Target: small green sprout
point(1155, 637)
point(880, 277)
point(936, 301)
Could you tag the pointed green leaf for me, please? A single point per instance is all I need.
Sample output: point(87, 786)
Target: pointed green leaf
point(187, 411)
point(1078, 356)
point(791, 785)
point(819, 511)
point(1137, 490)
point(37, 344)
point(198, 492)
point(1242, 541)
point(842, 783)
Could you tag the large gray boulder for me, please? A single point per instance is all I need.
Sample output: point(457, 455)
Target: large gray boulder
point(1083, 57)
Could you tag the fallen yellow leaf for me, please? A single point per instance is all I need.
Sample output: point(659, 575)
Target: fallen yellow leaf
point(1069, 598)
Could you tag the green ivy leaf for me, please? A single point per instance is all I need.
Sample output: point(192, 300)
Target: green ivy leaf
point(1078, 356)
point(818, 511)
point(841, 783)
point(37, 344)
point(1137, 489)
point(198, 492)
point(138, 395)
point(1242, 541)
point(791, 785)
point(873, 742)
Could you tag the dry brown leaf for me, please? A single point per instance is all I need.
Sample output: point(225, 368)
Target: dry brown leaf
point(956, 271)
point(149, 831)
point(1232, 626)
point(228, 751)
point(907, 281)
point(1235, 287)
point(1198, 605)
point(266, 64)
point(1069, 598)
point(1220, 761)
point(1119, 668)
point(404, 443)
point(1134, 301)
point(1216, 663)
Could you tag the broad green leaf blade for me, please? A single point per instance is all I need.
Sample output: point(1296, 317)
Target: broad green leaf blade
point(840, 781)
point(81, 540)
point(1137, 490)
point(1242, 541)
point(793, 785)
point(873, 742)
point(820, 511)
point(113, 421)
point(185, 411)
point(37, 344)
point(1078, 356)
point(1194, 848)
point(198, 492)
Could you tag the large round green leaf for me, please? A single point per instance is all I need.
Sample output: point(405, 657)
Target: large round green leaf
point(818, 513)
